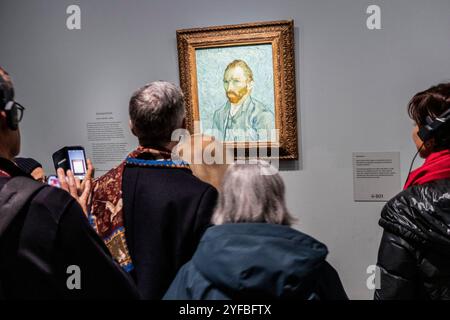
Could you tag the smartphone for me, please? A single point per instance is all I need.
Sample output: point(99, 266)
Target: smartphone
point(71, 158)
point(53, 181)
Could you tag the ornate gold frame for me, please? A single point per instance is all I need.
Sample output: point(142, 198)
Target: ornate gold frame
point(278, 33)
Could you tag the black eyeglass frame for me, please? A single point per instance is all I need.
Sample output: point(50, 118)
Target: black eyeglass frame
point(15, 106)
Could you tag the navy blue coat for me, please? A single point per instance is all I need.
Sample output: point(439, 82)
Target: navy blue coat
point(257, 260)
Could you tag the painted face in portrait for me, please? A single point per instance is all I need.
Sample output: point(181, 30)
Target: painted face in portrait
point(237, 85)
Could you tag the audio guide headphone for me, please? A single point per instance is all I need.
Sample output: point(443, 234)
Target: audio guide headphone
point(434, 127)
point(13, 110)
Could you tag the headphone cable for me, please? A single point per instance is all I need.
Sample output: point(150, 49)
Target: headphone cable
point(412, 162)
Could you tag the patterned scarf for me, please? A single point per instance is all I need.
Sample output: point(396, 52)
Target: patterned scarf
point(107, 216)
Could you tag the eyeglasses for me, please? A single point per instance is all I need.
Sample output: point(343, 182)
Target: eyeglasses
point(17, 111)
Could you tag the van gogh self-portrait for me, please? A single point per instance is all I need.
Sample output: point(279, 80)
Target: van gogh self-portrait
point(236, 98)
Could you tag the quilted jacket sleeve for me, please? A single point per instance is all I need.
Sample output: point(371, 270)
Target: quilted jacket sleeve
point(398, 270)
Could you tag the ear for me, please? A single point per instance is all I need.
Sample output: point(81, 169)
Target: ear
point(130, 124)
point(429, 145)
point(3, 123)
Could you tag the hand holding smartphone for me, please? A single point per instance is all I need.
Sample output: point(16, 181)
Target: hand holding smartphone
point(80, 191)
point(71, 158)
point(71, 167)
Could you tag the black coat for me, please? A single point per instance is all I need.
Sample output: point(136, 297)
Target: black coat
point(257, 260)
point(166, 211)
point(47, 237)
point(414, 254)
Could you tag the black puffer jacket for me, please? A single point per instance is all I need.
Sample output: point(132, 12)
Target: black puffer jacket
point(414, 254)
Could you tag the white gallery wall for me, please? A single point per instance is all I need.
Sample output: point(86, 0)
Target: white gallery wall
point(352, 83)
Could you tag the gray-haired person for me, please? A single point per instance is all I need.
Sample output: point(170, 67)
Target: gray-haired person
point(151, 211)
point(252, 252)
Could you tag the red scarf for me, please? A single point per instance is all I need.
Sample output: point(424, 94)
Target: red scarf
point(435, 167)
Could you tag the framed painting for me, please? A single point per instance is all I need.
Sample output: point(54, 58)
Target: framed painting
point(239, 85)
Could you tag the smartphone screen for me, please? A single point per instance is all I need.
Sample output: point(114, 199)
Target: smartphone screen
point(53, 181)
point(77, 162)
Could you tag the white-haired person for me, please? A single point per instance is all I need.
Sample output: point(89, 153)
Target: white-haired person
point(252, 252)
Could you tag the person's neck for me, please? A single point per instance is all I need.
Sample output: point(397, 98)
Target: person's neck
point(167, 146)
point(5, 154)
point(171, 145)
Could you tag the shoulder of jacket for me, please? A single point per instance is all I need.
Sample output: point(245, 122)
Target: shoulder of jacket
point(257, 104)
point(258, 109)
point(406, 198)
point(204, 187)
point(53, 200)
point(220, 111)
point(178, 176)
point(420, 195)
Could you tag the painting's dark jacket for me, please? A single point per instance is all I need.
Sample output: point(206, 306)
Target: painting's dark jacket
point(252, 122)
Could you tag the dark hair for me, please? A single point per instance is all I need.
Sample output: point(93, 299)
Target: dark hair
point(6, 88)
point(156, 110)
point(432, 102)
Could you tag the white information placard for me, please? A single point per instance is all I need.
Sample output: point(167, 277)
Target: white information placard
point(376, 175)
point(107, 141)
